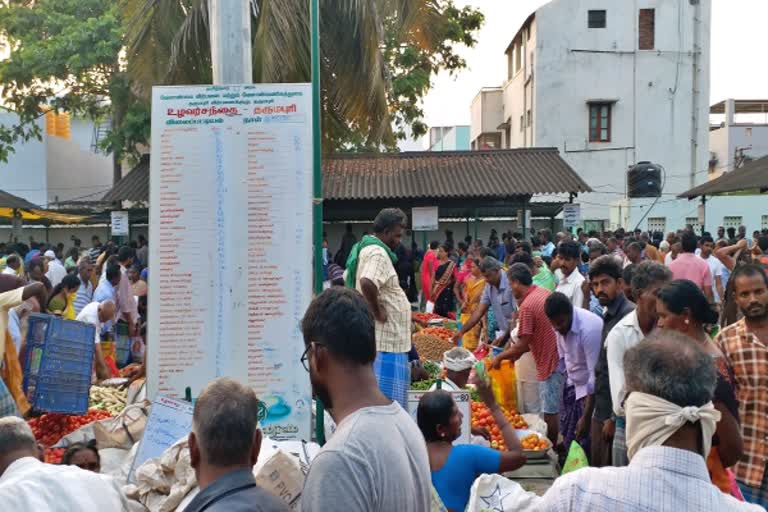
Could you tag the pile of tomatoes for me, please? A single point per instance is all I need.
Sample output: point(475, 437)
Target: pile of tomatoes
point(441, 332)
point(424, 318)
point(482, 417)
point(50, 428)
point(54, 455)
point(534, 442)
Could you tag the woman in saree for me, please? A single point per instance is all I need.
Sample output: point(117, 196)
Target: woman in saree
point(471, 292)
point(442, 284)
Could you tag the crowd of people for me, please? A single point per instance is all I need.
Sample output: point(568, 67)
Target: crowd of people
point(650, 354)
point(104, 285)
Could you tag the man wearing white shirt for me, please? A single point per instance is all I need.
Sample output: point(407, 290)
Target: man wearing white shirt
point(56, 270)
point(716, 267)
point(648, 277)
point(569, 280)
point(96, 314)
point(28, 484)
point(12, 264)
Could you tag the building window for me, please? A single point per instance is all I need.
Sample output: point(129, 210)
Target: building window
point(657, 224)
point(694, 223)
point(518, 55)
point(647, 29)
point(732, 222)
point(764, 224)
point(748, 132)
point(596, 19)
point(600, 122)
point(522, 123)
point(529, 119)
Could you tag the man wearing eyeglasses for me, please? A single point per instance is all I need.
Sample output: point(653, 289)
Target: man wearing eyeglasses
point(376, 460)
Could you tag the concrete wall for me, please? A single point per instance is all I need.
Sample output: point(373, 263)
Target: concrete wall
point(24, 174)
point(519, 91)
point(75, 172)
point(486, 112)
point(449, 138)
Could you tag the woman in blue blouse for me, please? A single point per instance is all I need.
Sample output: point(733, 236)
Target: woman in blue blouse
point(455, 468)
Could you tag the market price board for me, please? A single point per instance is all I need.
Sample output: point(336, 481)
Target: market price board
point(230, 243)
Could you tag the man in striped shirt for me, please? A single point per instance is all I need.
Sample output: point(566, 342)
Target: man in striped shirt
point(535, 334)
point(94, 253)
point(85, 292)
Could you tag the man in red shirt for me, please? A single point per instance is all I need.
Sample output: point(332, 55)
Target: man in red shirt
point(689, 266)
point(535, 334)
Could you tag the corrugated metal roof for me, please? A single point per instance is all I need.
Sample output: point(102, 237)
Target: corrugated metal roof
point(446, 174)
point(11, 201)
point(753, 176)
point(134, 186)
point(449, 174)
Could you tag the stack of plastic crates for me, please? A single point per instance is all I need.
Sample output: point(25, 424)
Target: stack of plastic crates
point(58, 363)
point(122, 345)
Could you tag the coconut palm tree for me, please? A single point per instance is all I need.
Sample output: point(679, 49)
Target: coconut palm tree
point(168, 43)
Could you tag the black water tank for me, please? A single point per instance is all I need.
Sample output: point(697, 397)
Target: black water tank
point(644, 179)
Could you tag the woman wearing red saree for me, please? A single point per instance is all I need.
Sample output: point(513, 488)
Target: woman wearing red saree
point(442, 286)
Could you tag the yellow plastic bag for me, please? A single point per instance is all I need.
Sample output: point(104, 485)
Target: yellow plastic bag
point(577, 458)
point(504, 385)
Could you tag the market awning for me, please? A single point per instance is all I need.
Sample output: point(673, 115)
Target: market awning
point(752, 178)
point(11, 206)
point(442, 175)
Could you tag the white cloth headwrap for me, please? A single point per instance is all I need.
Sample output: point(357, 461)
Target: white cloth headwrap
point(458, 359)
point(652, 420)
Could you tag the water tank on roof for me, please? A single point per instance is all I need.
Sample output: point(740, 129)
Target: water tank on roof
point(644, 179)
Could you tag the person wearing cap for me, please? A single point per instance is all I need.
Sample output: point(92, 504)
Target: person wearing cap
point(458, 363)
point(56, 270)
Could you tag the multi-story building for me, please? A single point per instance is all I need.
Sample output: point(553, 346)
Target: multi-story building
point(610, 84)
point(738, 133)
point(449, 138)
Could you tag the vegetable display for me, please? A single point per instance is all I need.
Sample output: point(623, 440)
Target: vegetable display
point(54, 455)
point(441, 332)
point(430, 347)
point(432, 368)
point(109, 399)
point(50, 428)
point(422, 385)
point(482, 417)
point(534, 442)
point(424, 318)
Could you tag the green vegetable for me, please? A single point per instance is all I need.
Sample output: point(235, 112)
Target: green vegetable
point(432, 368)
point(422, 385)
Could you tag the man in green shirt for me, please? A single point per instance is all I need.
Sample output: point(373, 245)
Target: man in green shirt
point(542, 276)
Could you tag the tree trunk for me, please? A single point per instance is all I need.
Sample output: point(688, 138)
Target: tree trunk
point(117, 169)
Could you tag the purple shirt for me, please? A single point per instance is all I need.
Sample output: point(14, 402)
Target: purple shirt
point(580, 349)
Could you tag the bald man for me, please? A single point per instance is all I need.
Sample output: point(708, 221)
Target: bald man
point(96, 314)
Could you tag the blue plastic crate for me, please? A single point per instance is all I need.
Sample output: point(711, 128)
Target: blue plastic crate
point(122, 345)
point(58, 364)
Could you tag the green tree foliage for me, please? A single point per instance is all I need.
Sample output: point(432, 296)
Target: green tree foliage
point(65, 54)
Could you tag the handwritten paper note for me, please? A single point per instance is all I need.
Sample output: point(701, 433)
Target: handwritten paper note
point(169, 420)
point(231, 248)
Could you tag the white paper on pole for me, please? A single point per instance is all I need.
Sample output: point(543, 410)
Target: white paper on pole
point(571, 215)
point(119, 221)
point(231, 244)
point(424, 218)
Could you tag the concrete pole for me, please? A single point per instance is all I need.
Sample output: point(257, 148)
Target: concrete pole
point(230, 25)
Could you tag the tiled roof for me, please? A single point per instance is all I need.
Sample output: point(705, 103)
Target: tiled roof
point(449, 174)
point(494, 174)
point(11, 201)
point(753, 176)
point(134, 186)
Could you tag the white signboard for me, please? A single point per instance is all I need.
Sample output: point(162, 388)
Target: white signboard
point(571, 215)
point(169, 420)
point(425, 218)
point(120, 224)
point(463, 402)
point(230, 229)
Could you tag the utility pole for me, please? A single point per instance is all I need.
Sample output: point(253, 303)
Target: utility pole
point(230, 26)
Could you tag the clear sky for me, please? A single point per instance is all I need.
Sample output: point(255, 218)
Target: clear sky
point(738, 56)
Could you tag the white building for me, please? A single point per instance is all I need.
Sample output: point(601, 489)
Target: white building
point(610, 84)
point(64, 166)
point(738, 133)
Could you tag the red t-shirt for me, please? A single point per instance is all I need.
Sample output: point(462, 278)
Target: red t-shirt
point(532, 321)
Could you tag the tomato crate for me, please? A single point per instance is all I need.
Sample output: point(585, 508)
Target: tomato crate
point(58, 364)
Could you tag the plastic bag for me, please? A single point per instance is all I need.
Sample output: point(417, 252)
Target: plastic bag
point(499, 494)
point(123, 430)
point(504, 385)
point(576, 459)
point(430, 307)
